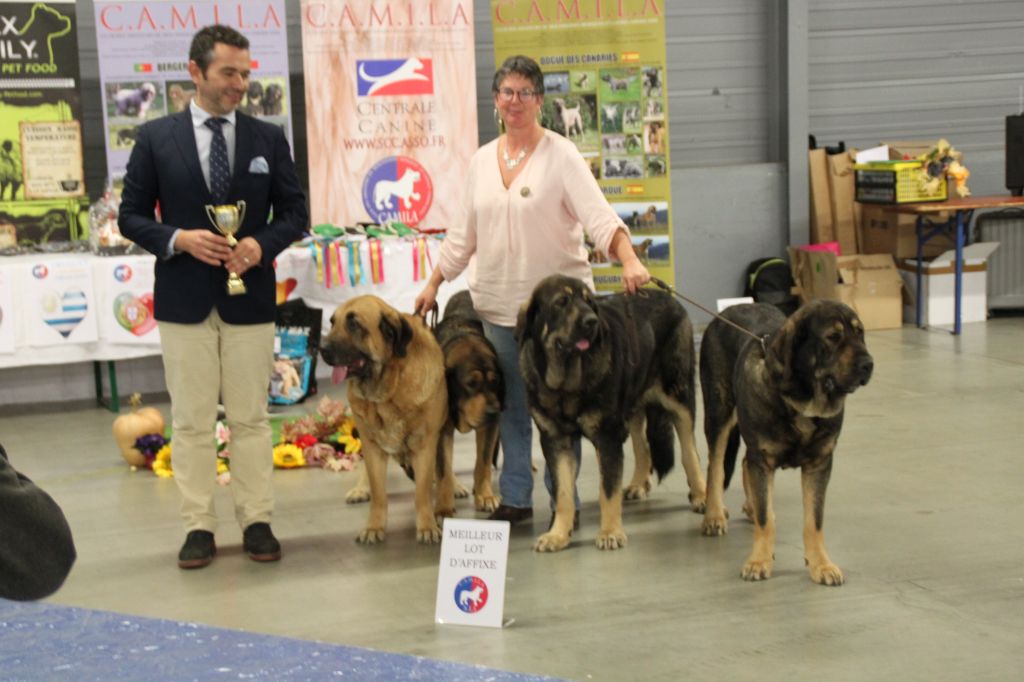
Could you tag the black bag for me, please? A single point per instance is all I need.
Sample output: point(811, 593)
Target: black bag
point(296, 348)
point(769, 280)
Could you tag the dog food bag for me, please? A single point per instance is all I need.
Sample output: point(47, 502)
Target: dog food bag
point(296, 347)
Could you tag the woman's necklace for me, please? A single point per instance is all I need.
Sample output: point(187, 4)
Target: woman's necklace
point(511, 163)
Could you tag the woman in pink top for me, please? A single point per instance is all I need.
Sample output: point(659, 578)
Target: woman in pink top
point(530, 199)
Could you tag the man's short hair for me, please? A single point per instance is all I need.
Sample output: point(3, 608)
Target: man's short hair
point(203, 42)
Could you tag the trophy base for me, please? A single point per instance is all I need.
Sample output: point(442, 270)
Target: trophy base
point(235, 287)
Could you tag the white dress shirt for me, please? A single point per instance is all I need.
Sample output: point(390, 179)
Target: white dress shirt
point(204, 137)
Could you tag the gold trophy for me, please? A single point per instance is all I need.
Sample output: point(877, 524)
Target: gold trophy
point(227, 218)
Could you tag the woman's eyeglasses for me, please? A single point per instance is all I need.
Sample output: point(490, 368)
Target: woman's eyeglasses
point(525, 95)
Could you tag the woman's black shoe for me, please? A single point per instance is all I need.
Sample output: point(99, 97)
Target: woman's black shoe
point(511, 514)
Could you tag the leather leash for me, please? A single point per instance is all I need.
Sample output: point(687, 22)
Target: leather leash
point(760, 339)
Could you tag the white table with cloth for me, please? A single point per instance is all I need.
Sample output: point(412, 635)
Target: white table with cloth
point(74, 307)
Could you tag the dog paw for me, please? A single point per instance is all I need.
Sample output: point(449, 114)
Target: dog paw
point(551, 542)
point(445, 513)
point(486, 503)
point(461, 491)
point(756, 569)
point(371, 536)
point(615, 539)
point(827, 574)
point(357, 494)
point(637, 492)
point(715, 524)
point(428, 536)
point(697, 502)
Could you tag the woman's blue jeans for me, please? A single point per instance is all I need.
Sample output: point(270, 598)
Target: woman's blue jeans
point(516, 480)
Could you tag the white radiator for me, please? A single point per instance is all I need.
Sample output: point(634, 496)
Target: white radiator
point(1006, 264)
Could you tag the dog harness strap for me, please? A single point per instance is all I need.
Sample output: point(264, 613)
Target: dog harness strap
point(220, 169)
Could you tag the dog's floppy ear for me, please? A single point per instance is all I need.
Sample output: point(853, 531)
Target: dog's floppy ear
point(500, 388)
point(524, 320)
point(779, 351)
point(397, 332)
point(451, 378)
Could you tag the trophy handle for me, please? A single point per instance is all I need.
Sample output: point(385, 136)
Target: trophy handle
point(211, 214)
point(241, 212)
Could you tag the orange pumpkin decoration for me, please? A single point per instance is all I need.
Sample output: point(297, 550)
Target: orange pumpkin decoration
point(128, 428)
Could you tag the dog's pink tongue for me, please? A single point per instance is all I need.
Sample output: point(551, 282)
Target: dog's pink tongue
point(583, 344)
point(338, 374)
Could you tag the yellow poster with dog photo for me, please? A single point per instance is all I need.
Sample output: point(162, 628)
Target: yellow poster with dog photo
point(604, 89)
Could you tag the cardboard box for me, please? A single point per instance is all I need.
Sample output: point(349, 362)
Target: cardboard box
point(883, 231)
point(909, 149)
point(868, 283)
point(938, 286)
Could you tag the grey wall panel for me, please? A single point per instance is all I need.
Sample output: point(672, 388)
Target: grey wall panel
point(918, 69)
point(725, 217)
point(94, 147)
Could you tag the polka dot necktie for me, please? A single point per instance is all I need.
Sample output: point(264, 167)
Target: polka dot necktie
point(220, 171)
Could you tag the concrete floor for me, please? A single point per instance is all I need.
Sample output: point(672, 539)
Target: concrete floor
point(924, 515)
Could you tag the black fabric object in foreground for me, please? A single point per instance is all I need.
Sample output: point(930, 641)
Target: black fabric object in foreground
point(36, 548)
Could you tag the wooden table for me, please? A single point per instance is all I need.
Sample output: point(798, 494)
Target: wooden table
point(961, 211)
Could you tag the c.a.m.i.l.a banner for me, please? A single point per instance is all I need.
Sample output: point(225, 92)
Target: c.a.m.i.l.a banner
point(390, 109)
point(42, 181)
point(604, 82)
point(143, 53)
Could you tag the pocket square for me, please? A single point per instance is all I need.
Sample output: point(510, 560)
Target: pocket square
point(259, 165)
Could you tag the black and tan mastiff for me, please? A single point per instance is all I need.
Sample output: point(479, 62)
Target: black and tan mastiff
point(399, 401)
point(786, 398)
point(602, 368)
point(476, 393)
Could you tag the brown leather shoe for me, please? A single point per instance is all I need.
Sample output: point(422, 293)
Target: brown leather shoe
point(511, 514)
point(260, 544)
point(198, 550)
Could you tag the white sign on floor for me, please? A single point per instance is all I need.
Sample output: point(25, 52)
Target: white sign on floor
point(471, 577)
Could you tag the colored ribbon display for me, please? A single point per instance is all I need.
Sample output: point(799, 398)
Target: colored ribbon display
point(376, 261)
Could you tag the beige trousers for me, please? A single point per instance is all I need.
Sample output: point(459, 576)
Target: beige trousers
point(233, 362)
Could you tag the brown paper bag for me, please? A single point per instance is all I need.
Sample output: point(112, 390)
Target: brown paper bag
point(821, 210)
point(841, 204)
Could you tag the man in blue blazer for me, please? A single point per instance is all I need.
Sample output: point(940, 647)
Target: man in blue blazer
point(216, 344)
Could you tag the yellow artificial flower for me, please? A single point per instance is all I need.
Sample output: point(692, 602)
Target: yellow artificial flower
point(348, 436)
point(222, 465)
point(162, 462)
point(288, 456)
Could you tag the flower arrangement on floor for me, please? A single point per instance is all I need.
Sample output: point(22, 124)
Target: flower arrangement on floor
point(327, 438)
point(157, 452)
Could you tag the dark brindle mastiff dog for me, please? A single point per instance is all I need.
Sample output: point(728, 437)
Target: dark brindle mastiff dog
point(398, 396)
point(786, 397)
point(600, 367)
point(476, 393)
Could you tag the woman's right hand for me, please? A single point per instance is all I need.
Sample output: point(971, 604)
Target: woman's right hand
point(427, 300)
